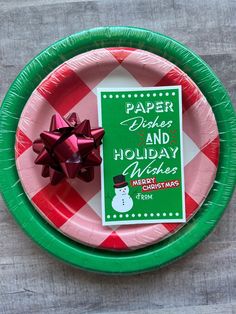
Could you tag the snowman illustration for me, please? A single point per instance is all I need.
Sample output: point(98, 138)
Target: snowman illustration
point(122, 202)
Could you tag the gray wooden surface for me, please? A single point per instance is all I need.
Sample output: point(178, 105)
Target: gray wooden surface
point(204, 281)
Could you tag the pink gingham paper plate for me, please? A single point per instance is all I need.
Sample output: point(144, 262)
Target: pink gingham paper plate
point(73, 207)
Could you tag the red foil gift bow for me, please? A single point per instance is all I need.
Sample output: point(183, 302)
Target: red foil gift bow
point(69, 149)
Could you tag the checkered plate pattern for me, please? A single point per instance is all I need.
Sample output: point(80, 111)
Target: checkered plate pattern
point(73, 207)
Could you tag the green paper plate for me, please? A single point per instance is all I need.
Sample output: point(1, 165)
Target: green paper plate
point(74, 253)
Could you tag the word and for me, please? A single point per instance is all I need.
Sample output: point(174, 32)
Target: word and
point(158, 137)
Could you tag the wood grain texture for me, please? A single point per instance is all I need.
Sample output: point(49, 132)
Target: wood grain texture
point(204, 281)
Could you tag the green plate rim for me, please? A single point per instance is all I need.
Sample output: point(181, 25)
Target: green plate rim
point(90, 258)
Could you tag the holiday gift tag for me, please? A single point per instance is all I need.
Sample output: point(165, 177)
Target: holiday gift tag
point(142, 168)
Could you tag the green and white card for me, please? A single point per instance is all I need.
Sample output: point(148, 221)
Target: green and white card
point(142, 168)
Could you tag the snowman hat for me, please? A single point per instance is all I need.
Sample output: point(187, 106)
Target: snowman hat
point(119, 181)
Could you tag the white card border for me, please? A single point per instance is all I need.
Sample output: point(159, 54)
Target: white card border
point(125, 89)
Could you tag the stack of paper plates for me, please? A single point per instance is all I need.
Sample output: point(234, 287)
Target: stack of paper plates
point(114, 57)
